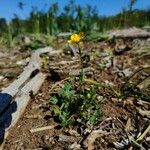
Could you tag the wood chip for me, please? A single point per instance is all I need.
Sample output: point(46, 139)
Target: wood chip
point(93, 136)
point(42, 129)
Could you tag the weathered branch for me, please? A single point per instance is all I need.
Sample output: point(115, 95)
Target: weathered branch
point(17, 107)
point(12, 90)
point(129, 33)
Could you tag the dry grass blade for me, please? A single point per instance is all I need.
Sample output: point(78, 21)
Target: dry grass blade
point(144, 134)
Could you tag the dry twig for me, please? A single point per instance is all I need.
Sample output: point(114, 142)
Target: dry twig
point(42, 129)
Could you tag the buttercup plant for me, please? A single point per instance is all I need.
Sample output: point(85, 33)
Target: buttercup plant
point(72, 103)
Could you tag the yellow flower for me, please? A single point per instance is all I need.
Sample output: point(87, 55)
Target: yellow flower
point(76, 38)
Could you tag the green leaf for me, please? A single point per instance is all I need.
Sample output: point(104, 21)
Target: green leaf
point(64, 116)
point(67, 91)
point(54, 100)
point(94, 118)
point(56, 110)
point(97, 114)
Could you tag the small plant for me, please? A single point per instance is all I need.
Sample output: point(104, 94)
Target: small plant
point(78, 102)
point(70, 104)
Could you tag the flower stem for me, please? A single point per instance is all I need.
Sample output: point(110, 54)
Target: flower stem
point(81, 70)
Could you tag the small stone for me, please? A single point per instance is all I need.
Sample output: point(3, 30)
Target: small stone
point(1, 78)
point(127, 72)
point(26, 40)
point(148, 139)
point(75, 146)
point(74, 133)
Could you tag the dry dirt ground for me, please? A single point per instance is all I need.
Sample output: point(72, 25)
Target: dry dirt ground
point(123, 120)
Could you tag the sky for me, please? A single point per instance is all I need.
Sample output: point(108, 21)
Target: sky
point(105, 7)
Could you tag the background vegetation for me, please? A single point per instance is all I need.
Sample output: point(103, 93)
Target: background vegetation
point(72, 18)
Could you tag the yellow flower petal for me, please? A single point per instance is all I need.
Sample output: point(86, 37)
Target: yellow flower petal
point(75, 38)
